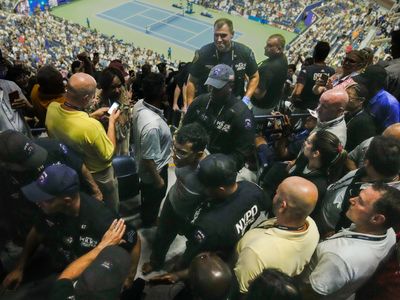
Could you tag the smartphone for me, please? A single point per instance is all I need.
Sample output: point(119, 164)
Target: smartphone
point(113, 107)
point(324, 78)
point(13, 96)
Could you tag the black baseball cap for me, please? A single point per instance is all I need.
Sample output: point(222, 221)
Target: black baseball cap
point(18, 148)
point(217, 170)
point(104, 278)
point(56, 180)
point(373, 73)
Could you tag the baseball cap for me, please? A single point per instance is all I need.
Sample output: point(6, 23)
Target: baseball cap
point(217, 170)
point(104, 277)
point(55, 180)
point(17, 148)
point(220, 75)
point(373, 73)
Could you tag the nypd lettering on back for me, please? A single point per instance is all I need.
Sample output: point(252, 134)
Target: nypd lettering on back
point(248, 218)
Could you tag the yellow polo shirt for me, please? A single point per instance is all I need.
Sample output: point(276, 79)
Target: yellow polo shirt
point(287, 251)
point(82, 133)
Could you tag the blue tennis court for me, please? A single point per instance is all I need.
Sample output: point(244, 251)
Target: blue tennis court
point(168, 25)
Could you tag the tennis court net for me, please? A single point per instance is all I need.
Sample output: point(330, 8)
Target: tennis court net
point(163, 22)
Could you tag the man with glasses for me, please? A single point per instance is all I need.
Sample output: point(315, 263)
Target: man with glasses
point(184, 196)
point(273, 72)
point(224, 51)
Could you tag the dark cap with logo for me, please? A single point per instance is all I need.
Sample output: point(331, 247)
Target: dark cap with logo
point(217, 170)
point(220, 75)
point(104, 278)
point(17, 148)
point(55, 181)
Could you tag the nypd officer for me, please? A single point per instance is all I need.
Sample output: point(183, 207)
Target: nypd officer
point(227, 120)
point(224, 51)
point(229, 211)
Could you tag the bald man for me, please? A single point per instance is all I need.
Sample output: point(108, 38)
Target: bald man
point(207, 278)
point(285, 242)
point(330, 113)
point(69, 123)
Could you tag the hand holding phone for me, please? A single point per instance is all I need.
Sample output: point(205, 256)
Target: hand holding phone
point(113, 107)
point(13, 96)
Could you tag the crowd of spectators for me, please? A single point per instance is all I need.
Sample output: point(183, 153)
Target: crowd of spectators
point(277, 12)
point(46, 39)
point(286, 186)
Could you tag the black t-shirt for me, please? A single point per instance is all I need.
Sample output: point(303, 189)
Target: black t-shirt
point(69, 237)
point(360, 127)
point(63, 289)
point(273, 73)
point(240, 58)
point(231, 127)
point(219, 225)
point(307, 76)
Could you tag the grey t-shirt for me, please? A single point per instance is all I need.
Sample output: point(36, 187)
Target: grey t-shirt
point(9, 117)
point(358, 153)
point(187, 192)
point(152, 138)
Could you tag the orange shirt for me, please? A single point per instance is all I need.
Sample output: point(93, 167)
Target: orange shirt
point(40, 103)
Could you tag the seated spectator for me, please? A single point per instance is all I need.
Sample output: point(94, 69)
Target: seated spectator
point(49, 88)
point(356, 157)
point(291, 237)
point(66, 212)
point(360, 124)
point(330, 113)
point(184, 196)
point(383, 107)
point(69, 123)
point(228, 212)
point(344, 262)
point(382, 164)
point(272, 284)
point(321, 163)
point(100, 273)
point(112, 85)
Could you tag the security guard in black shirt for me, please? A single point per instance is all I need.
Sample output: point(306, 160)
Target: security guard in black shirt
point(73, 223)
point(230, 210)
point(224, 51)
point(227, 120)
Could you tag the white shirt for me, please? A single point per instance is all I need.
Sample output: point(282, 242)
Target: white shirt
point(345, 261)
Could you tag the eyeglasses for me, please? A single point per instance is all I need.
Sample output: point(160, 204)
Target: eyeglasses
point(179, 153)
point(349, 60)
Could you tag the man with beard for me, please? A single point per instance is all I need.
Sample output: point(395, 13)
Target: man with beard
point(273, 72)
point(224, 51)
